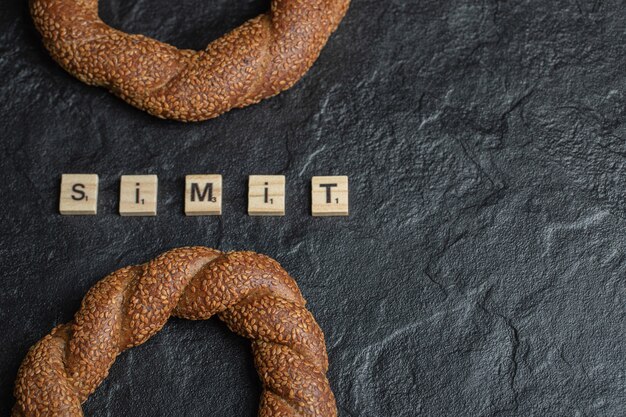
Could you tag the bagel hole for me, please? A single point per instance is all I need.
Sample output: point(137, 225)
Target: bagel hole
point(190, 368)
point(184, 24)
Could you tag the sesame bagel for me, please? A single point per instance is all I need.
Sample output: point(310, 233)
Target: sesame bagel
point(259, 59)
point(251, 293)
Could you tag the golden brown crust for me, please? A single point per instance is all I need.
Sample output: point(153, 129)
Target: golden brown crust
point(251, 293)
point(259, 59)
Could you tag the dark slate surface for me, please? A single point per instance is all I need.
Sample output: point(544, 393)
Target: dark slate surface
point(482, 271)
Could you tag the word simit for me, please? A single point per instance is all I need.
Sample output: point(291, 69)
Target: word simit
point(203, 195)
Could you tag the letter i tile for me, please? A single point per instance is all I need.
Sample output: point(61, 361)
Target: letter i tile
point(266, 195)
point(138, 195)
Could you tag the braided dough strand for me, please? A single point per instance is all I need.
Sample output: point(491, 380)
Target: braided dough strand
point(261, 58)
point(251, 293)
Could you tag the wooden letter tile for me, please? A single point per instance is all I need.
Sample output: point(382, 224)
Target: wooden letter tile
point(138, 195)
point(79, 194)
point(266, 195)
point(329, 196)
point(203, 195)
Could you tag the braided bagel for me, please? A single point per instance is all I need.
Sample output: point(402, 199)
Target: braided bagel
point(251, 293)
point(259, 59)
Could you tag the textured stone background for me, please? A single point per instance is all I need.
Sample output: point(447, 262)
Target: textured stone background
point(482, 271)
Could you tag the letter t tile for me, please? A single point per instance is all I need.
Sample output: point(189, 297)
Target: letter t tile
point(329, 196)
